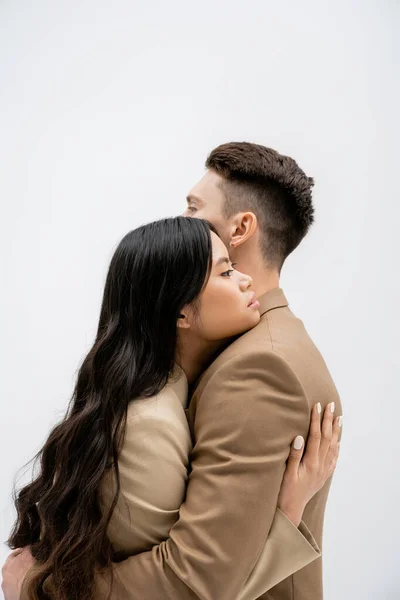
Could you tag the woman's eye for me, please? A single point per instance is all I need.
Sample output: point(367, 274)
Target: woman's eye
point(191, 208)
point(228, 273)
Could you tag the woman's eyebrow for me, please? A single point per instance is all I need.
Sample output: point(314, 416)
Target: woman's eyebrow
point(221, 260)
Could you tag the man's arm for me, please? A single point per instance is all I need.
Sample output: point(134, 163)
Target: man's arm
point(246, 417)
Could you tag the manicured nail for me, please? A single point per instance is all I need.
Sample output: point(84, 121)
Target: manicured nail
point(332, 407)
point(340, 421)
point(298, 443)
point(319, 408)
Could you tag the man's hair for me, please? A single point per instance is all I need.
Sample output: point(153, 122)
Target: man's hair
point(260, 180)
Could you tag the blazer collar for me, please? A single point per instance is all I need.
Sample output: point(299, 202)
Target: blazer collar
point(273, 299)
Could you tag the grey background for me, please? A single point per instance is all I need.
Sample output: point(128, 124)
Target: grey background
point(107, 112)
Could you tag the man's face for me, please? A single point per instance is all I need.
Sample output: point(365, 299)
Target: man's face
point(206, 200)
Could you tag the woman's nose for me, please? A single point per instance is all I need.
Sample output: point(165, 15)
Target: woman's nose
point(245, 282)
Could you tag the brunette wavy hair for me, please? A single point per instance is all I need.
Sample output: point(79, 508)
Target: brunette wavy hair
point(156, 270)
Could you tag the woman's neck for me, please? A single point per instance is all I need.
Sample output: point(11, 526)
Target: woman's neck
point(194, 356)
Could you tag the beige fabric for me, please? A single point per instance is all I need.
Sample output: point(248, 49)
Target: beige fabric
point(230, 542)
point(247, 408)
point(153, 472)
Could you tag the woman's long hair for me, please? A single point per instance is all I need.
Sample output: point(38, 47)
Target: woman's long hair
point(156, 270)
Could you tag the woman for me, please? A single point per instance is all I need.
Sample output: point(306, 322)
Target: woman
point(113, 472)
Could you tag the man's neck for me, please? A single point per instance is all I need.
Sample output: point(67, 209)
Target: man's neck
point(269, 281)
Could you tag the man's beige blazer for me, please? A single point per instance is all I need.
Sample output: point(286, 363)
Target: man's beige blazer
point(153, 467)
point(244, 413)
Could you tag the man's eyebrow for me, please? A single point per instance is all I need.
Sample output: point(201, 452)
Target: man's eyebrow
point(192, 198)
point(221, 260)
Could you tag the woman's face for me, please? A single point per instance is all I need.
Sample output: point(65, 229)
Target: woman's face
point(227, 305)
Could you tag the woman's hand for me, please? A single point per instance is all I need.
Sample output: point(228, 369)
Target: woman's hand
point(14, 571)
point(306, 475)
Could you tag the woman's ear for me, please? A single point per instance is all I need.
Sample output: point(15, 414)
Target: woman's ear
point(183, 320)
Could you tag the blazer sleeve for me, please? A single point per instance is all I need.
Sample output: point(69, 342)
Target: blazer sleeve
point(249, 412)
point(286, 550)
point(153, 466)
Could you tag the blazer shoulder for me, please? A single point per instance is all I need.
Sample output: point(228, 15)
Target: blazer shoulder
point(257, 340)
point(251, 354)
point(166, 406)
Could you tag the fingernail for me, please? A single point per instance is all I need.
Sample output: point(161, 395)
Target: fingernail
point(332, 407)
point(319, 408)
point(298, 442)
point(340, 421)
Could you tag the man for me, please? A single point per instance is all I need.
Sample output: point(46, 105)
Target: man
point(249, 405)
point(260, 202)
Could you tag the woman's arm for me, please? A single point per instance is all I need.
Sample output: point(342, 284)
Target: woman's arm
point(153, 466)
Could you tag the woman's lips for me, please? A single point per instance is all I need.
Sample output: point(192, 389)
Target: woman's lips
point(254, 303)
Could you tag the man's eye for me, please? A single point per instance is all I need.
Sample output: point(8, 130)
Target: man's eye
point(191, 208)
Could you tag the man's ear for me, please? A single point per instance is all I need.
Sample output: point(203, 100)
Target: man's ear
point(244, 226)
